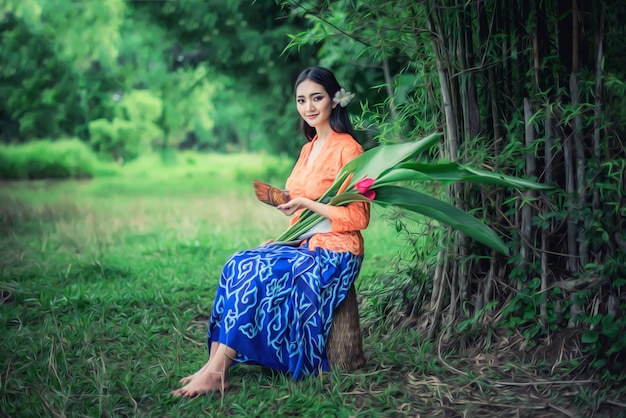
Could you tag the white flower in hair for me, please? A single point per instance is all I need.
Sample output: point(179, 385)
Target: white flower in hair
point(343, 97)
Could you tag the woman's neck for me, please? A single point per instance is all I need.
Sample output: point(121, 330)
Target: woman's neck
point(323, 132)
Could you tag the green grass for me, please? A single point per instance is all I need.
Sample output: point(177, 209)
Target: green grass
point(105, 286)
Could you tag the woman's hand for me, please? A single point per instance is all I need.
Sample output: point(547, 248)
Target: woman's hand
point(298, 203)
point(294, 205)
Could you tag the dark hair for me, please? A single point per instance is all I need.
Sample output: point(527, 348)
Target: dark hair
point(339, 117)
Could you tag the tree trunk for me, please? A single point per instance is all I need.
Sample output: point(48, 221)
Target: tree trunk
point(437, 299)
point(577, 169)
point(527, 212)
point(597, 121)
point(451, 133)
point(547, 226)
point(389, 88)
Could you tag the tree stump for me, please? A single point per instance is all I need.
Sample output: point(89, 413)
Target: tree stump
point(344, 347)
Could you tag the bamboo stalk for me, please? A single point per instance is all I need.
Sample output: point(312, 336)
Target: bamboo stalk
point(544, 270)
point(579, 152)
point(467, 99)
point(453, 283)
point(527, 212)
point(445, 86)
point(446, 96)
point(546, 228)
point(597, 130)
point(389, 88)
point(439, 281)
point(495, 113)
point(497, 147)
point(491, 279)
point(535, 44)
point(579, 147)
point(573, 177)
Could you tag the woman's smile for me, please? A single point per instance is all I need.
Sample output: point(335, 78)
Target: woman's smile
point(314, 103)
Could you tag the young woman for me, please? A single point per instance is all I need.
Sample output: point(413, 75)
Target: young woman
point(275, 303)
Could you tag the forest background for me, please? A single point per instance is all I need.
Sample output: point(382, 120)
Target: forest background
point(528, 88)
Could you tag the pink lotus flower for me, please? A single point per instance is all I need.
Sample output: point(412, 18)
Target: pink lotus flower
point(363, 187)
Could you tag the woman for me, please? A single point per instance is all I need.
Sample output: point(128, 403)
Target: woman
point(275, 303)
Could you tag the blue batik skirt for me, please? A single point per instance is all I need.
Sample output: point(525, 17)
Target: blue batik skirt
point(275, 305)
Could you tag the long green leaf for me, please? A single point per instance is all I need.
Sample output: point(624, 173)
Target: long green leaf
point(374, 162)
point(403, 174)
point(334, 188)
point(441, 211)
point(452, 172)
point(301, 226)
point(346, 198)
point(503, 179)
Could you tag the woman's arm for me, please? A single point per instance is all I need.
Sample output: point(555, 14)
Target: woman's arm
point(351, 217)
point(298, 203)
point(354, 216)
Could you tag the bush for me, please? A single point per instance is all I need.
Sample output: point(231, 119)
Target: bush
point(132, 130)
point(46, 159)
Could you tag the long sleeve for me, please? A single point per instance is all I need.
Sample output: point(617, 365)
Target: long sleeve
point(312, 180)
point(352, 217)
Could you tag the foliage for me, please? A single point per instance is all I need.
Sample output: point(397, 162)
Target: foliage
point(235, 37)
point(66, 64)
point(187, 94)
point(528, 89)
point(132, 130)
point(371, 46)
point(551, 110)
point(106, 286)
point(46, 159)
point(373, 177)
point(243, 41)
point(50, 86)
point(28, 104)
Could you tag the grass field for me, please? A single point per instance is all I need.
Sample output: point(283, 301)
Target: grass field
point(105, 286)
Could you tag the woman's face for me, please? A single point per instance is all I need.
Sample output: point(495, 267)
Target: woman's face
point(313, 103)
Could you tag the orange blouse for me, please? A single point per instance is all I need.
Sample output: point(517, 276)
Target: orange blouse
point(311, 181)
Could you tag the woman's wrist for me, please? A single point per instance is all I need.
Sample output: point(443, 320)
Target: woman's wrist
point(318, 207)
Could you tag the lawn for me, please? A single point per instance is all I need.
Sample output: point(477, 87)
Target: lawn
point(106, 285)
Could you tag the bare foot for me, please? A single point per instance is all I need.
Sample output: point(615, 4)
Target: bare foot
point(189, 378)
point(201, 383)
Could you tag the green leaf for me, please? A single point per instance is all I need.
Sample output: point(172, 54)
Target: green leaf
point(334, 188)
point(441, 211)
point(376, 161)
point(618, 283)
point(599, 364)
point(346, 198)
point(306, 221)
point(452, 172)
point(482, 176)
point(401, 174)
point(589, 337)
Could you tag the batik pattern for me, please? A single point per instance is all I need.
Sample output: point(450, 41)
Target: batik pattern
point(275, 304)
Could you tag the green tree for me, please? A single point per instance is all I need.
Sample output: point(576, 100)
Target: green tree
point(519, 89)
point(186, 93)
point(64, 63)
point(243, 41)
point(51, 85)
point(133, 129)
